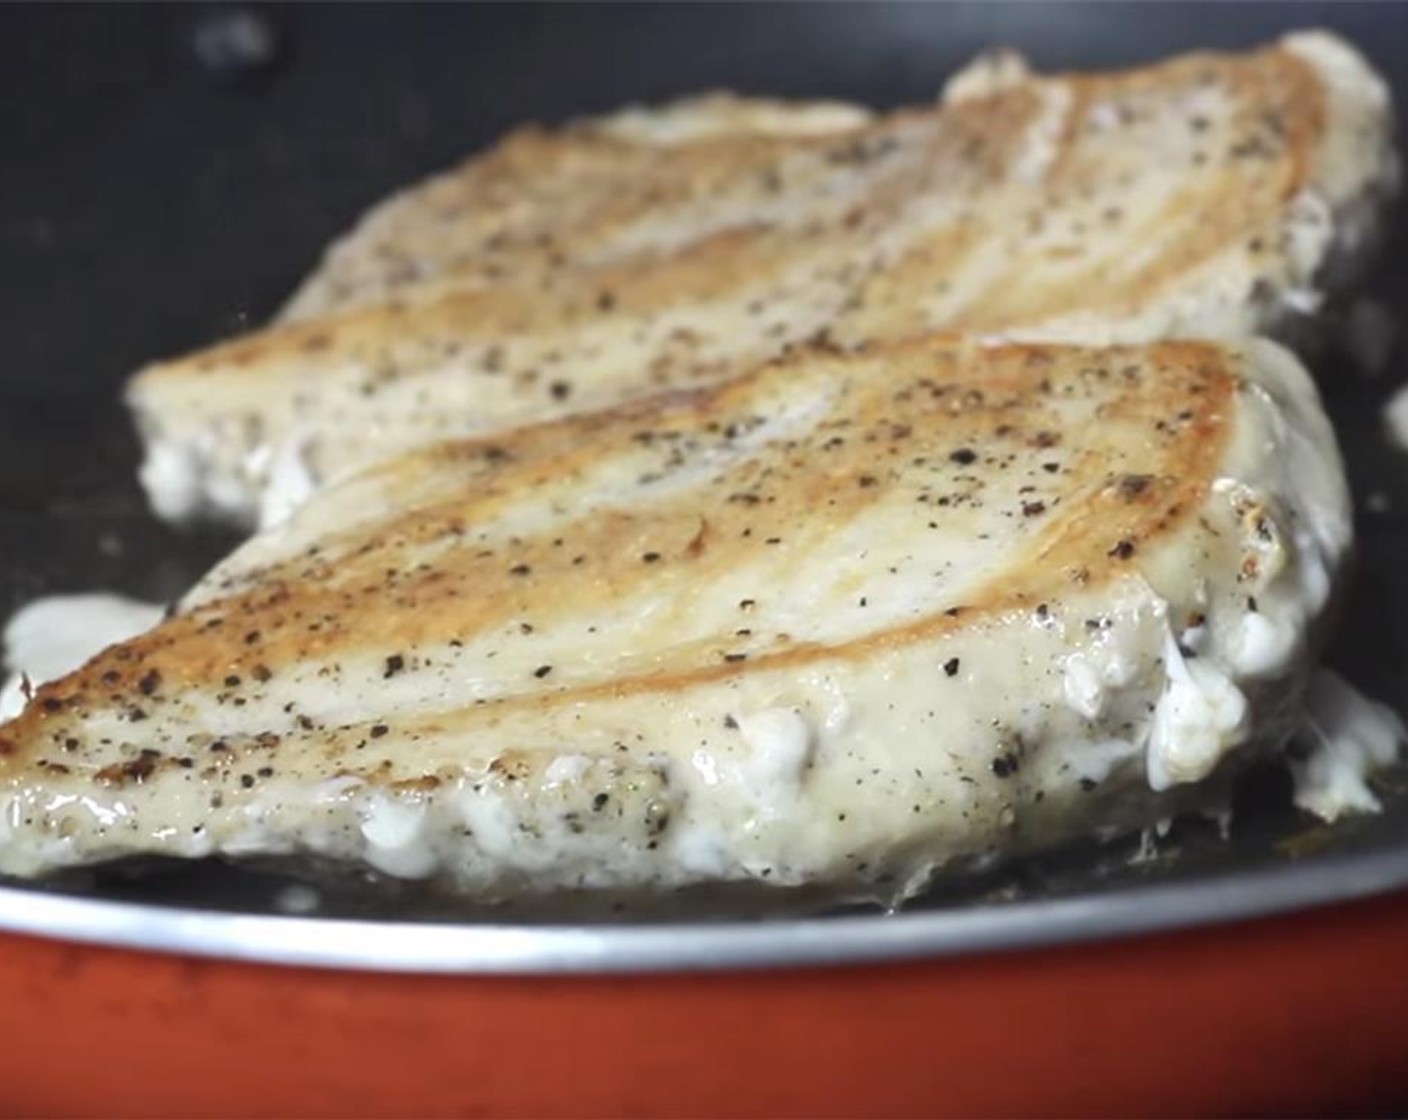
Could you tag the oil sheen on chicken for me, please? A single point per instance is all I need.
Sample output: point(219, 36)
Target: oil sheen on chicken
point(834, 625)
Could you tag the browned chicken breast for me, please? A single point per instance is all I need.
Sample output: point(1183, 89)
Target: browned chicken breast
point(673, 247)
point(835, 625)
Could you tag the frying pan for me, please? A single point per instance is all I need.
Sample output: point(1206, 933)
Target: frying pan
point(168, 173)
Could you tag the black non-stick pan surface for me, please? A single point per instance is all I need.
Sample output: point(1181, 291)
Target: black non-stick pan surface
point(167, 173)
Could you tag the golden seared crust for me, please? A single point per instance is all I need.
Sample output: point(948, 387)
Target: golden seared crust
point(1069, 464)
point(518, 211)
point(581, 199)
point(578, 268)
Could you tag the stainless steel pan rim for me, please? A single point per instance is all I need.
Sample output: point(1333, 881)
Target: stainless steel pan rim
point(488, 949)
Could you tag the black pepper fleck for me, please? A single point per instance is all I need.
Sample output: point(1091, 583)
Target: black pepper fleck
point(1132, 485)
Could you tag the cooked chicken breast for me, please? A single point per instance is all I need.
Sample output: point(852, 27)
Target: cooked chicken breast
point(837, 624)
point(673, 247)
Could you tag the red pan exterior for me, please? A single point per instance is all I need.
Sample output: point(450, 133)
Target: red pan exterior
point(1300, 1015)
